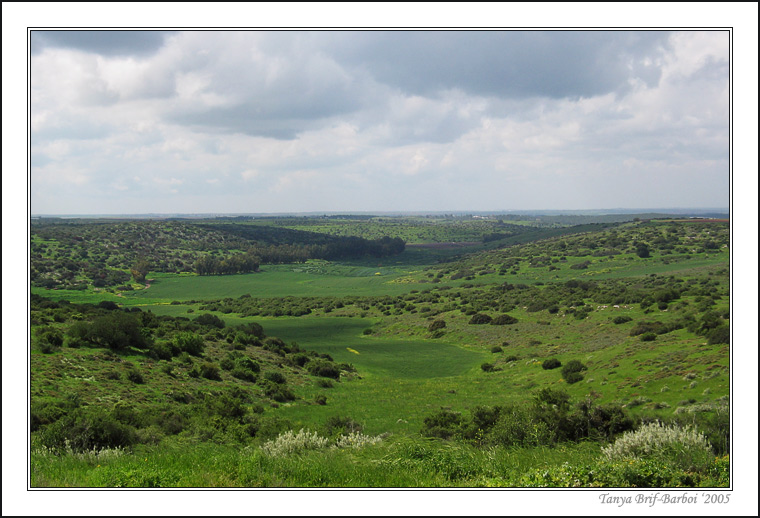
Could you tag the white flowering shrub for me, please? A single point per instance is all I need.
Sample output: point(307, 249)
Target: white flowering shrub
point(93, 455)
point(684, 447)
point(289, 442)
point(356, 440)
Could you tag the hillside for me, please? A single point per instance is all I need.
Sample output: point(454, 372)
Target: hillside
point(612, 327)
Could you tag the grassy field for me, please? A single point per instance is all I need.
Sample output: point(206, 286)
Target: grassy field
point(377, 316)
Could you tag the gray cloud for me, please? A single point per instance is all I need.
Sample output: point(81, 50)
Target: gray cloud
point(519, 64)
point(256, 121)
point(104, 42)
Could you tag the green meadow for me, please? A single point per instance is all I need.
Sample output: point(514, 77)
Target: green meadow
point(407, 352)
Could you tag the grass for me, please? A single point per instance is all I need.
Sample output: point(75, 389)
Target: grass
point(393, 463)
point(402, 374)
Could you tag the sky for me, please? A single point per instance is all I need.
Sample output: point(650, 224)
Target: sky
point(211, 121)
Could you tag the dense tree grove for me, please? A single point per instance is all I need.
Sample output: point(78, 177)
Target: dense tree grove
point(74, 254)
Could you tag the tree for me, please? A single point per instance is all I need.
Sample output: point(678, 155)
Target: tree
point(117, 331)
point(140, 269)
point(642, 250)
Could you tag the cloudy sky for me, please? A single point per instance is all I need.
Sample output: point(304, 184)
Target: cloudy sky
point(297, 121)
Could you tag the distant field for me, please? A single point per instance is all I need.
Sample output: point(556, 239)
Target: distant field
point(392, 358)
point(272, 281)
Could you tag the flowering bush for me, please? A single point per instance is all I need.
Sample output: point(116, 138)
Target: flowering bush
point(356, 440)
point(685, 448)
point(289, 442)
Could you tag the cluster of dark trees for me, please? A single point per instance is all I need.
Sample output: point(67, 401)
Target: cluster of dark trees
point(74, 254)
point(235, 263)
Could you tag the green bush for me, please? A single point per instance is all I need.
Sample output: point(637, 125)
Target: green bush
point(571, 372)
point(571, 367)
point(648, 337)
point(480, 318)
point(341, 425)
point(517, 426)
point(621, 319)
point(488, 367)
point(436, 325)
point(551, 363)
point(207, 319)
point(85, 430)
point(719, 335)
point(135, 376)
point(275, 377)
point(49, 340)
point(210, 371)
point(323, 368)
point(189, 343)
point(503, 320)
point(496, 349)
point(162, 351)
point(649, 327)
point(116, 331)
point(278, 392)
point(243, 374)
point(444, 424)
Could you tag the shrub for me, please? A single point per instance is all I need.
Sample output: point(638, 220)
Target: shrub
point(443, 424)
point(275, 377)
point(684, 448)
point(571, 372)
point(49, 340)
point(503, 320)
point(189, 343)
point(162, 351)
point(324, 383)
point(621, 319)
point(290, 443)
point(719, 335)
point(243, 374)
point(551, 363)
point(135, 376)
point(210, 371)
point(356, 440)
point(341, 425)
point(279, 393)
point(496, 349)
point(648, 337)
point(649, 327)
point(116, 331)
point(436, 325)
point(207, 319)
point(480, 318)
point(85, 430)
point(323, 368)
point(516, 426)
point(488, 367)
point(320, 399)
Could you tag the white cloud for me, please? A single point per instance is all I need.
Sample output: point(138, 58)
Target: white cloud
point(220, 116)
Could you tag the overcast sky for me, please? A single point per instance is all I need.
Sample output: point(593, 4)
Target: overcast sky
point(281, 121)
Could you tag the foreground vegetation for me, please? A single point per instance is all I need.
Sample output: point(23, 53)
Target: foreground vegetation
point(593, 356)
